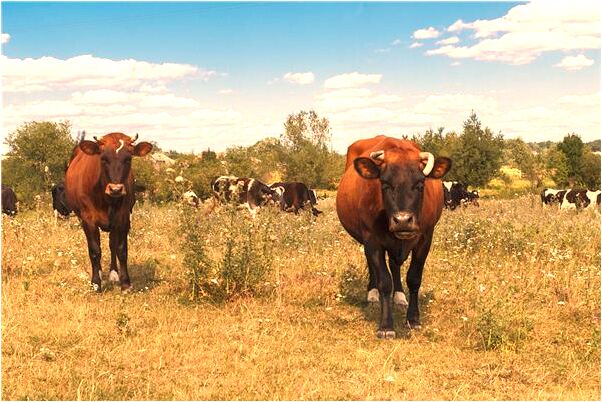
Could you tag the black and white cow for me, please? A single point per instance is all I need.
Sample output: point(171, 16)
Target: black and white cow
point(190, 198)
point(551, 196)
point(59, 202)
point(456, 194)
point(248, 192)
point(295, 196)
point(9, 201)
point(577, 199)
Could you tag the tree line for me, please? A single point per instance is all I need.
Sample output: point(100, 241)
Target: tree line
point(39, 151)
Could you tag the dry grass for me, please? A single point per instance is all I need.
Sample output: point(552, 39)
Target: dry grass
point(510, 307)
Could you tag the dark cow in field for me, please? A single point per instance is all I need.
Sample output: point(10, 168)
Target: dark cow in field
point(456, 194)
point(244, 191)
point(551, 196)
point(390, 199)
point(99, 185)
point(59, 201)
point(9, 201)
point(296, 196)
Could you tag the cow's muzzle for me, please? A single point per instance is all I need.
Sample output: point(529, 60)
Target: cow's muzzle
point(115, 190)
point(403, 225)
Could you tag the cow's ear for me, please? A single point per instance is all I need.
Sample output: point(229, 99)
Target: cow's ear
point(90, 147)
point(366, 168)
point(441, 167)
point(142, 149)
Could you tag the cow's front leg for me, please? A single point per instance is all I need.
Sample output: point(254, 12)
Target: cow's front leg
point(93, 238)
point(395, 263)
point(376, 258)
point(414, 278)
point(122, 255)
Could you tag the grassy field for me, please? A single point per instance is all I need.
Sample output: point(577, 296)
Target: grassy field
point(510, 307)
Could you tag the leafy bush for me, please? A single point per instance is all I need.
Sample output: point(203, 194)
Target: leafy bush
point(228, 255)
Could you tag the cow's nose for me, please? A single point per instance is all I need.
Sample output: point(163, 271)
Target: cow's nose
point(403, 218)
point(116, 189)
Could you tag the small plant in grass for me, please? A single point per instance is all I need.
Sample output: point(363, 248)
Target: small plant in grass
point(198, 266)
point(502, 330)
point(242, 253)
point(248, 255)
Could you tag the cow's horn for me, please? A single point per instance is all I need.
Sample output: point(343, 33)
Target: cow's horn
point(95, 139)
point(429, 163)
point(378, 155)
point(135, 138)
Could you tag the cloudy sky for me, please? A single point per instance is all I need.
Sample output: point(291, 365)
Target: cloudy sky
point(193, 76)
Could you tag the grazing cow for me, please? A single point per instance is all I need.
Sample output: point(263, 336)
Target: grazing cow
point(9, 201)
point(191, 198)
point(246, 192)
point(99, 185)
point(593, 198)
point(295, 196)
point(471, 197)
point(577, 199)
point(456, 194)
point(551, 196)
point(390, 199)
point(59, 202)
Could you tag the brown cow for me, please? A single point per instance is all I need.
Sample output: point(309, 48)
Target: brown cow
point(99, 185)
point(389, 199)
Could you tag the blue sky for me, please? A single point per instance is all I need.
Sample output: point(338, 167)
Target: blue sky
point(240, 53)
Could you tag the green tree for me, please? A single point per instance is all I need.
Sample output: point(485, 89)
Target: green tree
point(590, 172)
point(305, 141)
point(37, 157)
point(572, 147)
point(557, 165)
point(476, 153)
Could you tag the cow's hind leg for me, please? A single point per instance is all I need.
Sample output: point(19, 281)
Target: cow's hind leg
point(113, 244)
point(372, 290)
point(93, 237)
point(395, 263)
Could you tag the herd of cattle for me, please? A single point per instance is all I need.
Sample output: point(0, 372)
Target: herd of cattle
point(389, 200)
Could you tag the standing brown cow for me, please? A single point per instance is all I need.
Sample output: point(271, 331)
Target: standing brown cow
point(389, 199)
point(99, 185)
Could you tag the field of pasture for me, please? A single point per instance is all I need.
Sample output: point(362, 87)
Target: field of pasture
point(510, 307)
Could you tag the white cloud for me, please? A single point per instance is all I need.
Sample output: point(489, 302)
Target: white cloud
point(428, 33)
point(4, 38)
point(415, 45)
point(383, 50)
point(299, 78)
point(87, 71)
point(449, 41)
point(351, 80)
point(528, 30)
point(227, 91)
point(455, 63)
point(396, 42)
point(574, 63)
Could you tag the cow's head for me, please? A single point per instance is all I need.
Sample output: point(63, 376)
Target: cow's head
point(115, 151)
point(402, 184)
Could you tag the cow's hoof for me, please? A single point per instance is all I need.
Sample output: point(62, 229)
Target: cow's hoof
point(399, 298)
point(113, 276)
point(126, 288)
point(413, 324)
point(385, 334)
point(373, 296)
